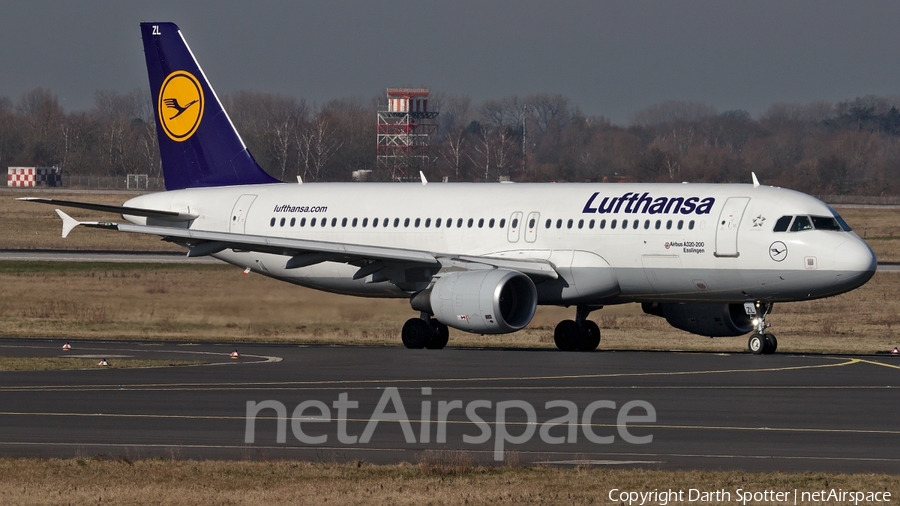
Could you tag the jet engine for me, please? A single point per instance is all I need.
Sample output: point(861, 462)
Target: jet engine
point(705, 319)
point(494, 301)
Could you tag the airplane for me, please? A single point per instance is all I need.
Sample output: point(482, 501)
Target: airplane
point(712, 259)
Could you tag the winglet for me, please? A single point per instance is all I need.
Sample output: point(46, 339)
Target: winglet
point(422, 175)
point(68, 223)
point(755, 181)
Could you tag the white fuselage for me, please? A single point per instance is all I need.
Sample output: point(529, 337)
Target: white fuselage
point(611, 243)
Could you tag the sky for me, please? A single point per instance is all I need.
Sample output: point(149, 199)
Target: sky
point(610, 59)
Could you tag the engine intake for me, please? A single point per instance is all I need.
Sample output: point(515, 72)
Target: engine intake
point(494, 301)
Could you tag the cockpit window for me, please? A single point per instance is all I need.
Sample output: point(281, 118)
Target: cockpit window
point(783, 223)
point(840, 220)
point(825, 223)
point(801, 223)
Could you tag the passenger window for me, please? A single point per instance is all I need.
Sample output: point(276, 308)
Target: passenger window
point(282, 222)
point(515, 223)
point(635, 226)
point(547, 224)
point(333, 222)
point(406, 223)
point(591, 224)
point(437, 223)
point(691, 225)
point(647, 224)
point(481, 223)
point(470, 222)
point(569, 224)
point(782, 224)
point(491, 223)
point(396, 222)
point(669, 225)
point(293, 221)
point(428, 223)
point(374, 222)
point(801, 223)
point(312, 222)
point(272, 223)
point(355, 221)
point(365, 222)
point(418, 221)
point(659, 224)
point(558, 223)
point(580, 224)
point(680, 224)
point(302, 222)
point(612, 224)
point(503, 223)
point(531, 223)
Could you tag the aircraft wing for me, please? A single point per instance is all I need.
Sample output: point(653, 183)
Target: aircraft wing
point(303, 252)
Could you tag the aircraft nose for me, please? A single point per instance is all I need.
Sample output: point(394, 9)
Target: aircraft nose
point(855, 260)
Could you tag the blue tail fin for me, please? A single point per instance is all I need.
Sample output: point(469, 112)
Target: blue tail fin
point(197, 141)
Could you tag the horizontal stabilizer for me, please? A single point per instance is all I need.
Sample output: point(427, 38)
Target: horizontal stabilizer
point(131, 211)
point(69, 223)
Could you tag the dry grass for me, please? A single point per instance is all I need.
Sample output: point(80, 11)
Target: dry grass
point(69, 363)
point(212, 302)
point(125, 481)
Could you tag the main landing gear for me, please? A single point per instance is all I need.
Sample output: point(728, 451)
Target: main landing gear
point(425, 332)
point(578, 335)
point(760, 342)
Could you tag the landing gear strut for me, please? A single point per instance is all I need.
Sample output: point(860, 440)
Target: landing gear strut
point(760, 342)
point(578, 335)
point(425, 332)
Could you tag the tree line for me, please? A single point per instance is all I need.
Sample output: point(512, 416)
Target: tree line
point(848, 148)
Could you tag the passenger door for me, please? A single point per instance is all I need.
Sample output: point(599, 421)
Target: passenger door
point(238, 222)
point(728, 225)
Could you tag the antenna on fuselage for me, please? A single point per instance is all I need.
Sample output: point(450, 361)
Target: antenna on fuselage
point(422, 175)
point(755, 181)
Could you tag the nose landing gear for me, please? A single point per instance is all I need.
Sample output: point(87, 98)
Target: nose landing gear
point(760, 342)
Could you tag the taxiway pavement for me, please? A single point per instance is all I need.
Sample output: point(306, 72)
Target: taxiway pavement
point(712, 411)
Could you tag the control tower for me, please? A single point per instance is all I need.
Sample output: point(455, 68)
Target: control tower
point(405, 129)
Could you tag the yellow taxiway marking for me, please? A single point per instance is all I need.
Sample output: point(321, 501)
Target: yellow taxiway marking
point(345, 383)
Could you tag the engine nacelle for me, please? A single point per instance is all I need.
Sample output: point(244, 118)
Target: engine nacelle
point(494, 301)
point(702, 318)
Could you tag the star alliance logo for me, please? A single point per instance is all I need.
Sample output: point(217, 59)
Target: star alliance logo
point(758, 221)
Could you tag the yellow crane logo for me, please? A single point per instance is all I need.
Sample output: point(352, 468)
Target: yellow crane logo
point(180, 105)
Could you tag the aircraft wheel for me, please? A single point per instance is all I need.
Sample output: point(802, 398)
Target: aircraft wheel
point(567, 335)
point(439, 337)
point(771, 344)
point(416, 333)
point(757, 344)
point(590, 336)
